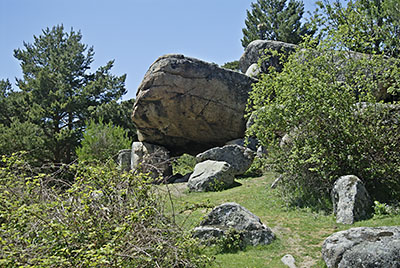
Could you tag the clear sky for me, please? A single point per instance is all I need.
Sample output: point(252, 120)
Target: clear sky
point(133, 32)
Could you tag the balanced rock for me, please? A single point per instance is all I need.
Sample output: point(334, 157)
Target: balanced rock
point(363, 247)
point(256, 49)
point(211, 176)
point(230, 216)
point(238, 157)
point(150, 158)
point(188, 105)
point(351, 201)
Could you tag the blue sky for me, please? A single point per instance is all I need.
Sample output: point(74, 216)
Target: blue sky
point(133, 32)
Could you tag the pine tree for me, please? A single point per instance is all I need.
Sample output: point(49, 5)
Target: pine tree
point(275, 20)
point(59, 90)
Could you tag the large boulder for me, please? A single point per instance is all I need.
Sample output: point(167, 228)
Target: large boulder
point(211, 176)
point(150, 158)
point(230, 216)
point(256, 49)
point(189, 106)
point(351, 201)
point(238, 157)
point(363, 247)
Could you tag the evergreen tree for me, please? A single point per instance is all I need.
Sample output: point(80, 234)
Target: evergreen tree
point(102, 141)
point(60, 92)
point(5, 89)
point(275, 20)
point(119, 113)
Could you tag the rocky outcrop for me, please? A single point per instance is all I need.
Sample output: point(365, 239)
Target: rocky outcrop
point(363, 247)
point(238, 157)
point(150, 158)
point(211, 176)
point(351, 201)
point(256, 49)
point(189, 106)
point(230, 216)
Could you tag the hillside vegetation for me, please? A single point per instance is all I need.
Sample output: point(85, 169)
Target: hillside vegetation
point(300, 231)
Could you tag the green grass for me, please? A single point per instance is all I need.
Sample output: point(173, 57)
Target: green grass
point(299, 232)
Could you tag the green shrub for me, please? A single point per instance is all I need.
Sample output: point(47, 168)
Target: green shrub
point(316, 101)
point(230, 242)
point(102, 141)
point(104, 219)
point(184, 164)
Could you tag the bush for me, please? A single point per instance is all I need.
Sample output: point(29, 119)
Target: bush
point(102, 141)
point(184, 164)
point(104, 219)
point(316, 102)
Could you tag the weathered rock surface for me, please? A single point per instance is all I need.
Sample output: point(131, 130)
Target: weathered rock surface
point(124, 159)
point(253, 70)
point(233, 216)
point(289, 261)
point(150, 158)
point(255, 50)
point(238, 157)
point(363, 247)
point(351, 201)
point(251, 143)
point(211, 176)
point(189, 106)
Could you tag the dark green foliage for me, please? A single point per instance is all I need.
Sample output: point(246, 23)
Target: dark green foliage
point(119, 113)
point(13, 105)
point(314, 100)
point(5, 90)
point(104, 219)
point(231, 242)
point(368, 26)
point(232, 65)
point(24, 136)
point(60, 92)
point(184, 164)
point(102, 141)
point(278, 20)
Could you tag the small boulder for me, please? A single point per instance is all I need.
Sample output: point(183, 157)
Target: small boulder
point(124, 159)
point(150, 158)
point(256, 49)
point(229, 216)
point(351, 201)
point(363, 247)
point(289, 261)
point(211, 176)
point(238, 157)
point(250, 143)
point(253, 70)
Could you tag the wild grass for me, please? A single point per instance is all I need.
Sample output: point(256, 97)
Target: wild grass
point(299, 232)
